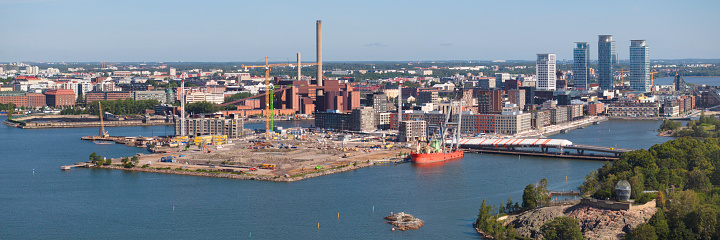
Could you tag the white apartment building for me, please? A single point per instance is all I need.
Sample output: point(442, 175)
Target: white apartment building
point(545, 71)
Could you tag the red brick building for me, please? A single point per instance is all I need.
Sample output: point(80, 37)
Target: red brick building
point(596, 108)
point(104, 96)
point(60, 97)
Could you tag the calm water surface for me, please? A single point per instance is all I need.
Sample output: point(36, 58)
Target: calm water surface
point(112, 204)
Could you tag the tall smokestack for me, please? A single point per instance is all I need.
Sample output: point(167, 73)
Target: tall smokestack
point(319, 58)
point(299, 68)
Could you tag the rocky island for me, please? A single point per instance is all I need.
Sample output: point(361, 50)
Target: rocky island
point(404, 221)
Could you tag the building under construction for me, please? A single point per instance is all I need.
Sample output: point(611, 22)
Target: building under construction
point(214, 124)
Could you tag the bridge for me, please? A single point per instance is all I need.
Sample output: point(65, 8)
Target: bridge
point(520, 146)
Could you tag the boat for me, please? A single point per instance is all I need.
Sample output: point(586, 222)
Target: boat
point(442, 150)
point(104, 143)
point(433, 155)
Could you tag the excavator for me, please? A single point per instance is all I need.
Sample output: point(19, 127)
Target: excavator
point(205, 148)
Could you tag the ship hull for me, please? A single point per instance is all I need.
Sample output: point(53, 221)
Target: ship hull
point(435, 157)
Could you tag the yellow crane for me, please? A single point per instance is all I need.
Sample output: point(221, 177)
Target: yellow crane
point(269, 108)
point(652, 77)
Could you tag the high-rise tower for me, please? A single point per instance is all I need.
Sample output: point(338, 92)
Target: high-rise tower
point(581, 53)
point(545, 71)
point(606, 59)
point(639, 66)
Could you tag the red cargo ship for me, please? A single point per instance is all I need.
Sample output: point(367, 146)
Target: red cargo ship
point(438, 151)
point(435, 157)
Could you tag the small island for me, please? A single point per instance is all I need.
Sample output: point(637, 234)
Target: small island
point(404, 221)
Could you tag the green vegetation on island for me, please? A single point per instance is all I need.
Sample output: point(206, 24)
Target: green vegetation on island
point(706, 126)
point(683, 172)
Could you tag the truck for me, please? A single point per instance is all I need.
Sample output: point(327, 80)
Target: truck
point(167, 159)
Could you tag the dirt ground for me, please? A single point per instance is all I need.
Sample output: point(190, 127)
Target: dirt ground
point(291, 157)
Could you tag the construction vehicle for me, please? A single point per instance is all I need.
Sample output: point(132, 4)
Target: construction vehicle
point(318, 167)
point(205, 148)
point(167, 159)
point(268, 166)
point(252, 168)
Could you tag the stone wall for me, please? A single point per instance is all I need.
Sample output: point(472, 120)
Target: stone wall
point(612, 205)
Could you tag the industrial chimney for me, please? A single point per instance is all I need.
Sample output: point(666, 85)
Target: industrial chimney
point(319, 58)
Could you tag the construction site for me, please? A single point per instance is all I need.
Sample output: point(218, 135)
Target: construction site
point(288, 159)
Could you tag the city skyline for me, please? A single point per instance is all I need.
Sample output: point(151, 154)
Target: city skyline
point(217, 31)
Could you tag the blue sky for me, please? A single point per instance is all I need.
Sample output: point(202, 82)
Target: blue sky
point(369, 30)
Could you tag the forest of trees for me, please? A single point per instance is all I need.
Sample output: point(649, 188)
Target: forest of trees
point(706, 126)
point(683, 171)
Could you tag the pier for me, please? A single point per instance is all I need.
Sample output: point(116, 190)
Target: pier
point(524, 146)
point(76, 165)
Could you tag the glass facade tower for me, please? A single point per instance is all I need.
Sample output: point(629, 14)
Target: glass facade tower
point(581, 53)
point(639, 66)
point(606, 59)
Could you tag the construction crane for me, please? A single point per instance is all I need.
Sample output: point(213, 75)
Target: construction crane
point(652, 77)
point(269, 98)
point(101, 133)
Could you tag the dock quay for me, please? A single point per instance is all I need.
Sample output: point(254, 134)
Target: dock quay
point(544, 154)
point(83, 121)
point(76, 165)
point(523, 146)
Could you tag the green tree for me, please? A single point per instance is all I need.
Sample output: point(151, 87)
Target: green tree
point(108, 161)
point(529, 198)
point(697, 180)
point(660, 223)
point(681, 203)
point(591, 184)
point(202, 107)
point(642, 232)
point(11, 110)
point(703, 221)
point(562, 228)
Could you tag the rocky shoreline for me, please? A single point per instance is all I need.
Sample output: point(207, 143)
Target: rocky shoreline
point(240, 175)
point(595, 223)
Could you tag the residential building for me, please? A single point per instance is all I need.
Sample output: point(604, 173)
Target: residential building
point(596, 108)
point(379, 102)
point(231, 126)
point(363, 119)
point(517, 97)
point(159, 95)
point(606, 59)
point(545, 72)
point(107, 96)
point(412, 131)
point(500, 79)
point(428, 97)
point(633, 109)
point(581, 55)
point(512, 120)
point(558, 115)
point(574, 112)
point(639, 66)
point(489, 101)
point(540, 119)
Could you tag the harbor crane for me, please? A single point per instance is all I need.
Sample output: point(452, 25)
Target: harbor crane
point(269, 98)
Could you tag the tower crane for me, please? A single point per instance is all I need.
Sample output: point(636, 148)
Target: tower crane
point(269, 98)
point(652, 77)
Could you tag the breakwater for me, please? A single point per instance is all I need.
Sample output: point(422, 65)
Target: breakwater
point(82, 121)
